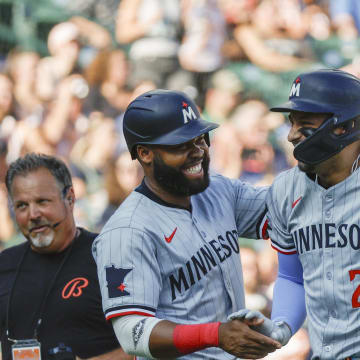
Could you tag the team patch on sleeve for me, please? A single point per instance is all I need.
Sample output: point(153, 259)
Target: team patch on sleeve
point(115, 278)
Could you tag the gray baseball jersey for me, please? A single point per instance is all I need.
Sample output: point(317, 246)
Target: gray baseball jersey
point(323, 227)
point(157, 260)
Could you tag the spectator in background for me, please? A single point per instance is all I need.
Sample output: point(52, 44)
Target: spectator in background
point(255, 297)
point(222, 97)
point(241, 147)
point(226, 151)
point(8, 117)
point(21, 67)
point(7, 229)
point(268, 268)
point(65, 41)
point(151, 29)
point(122, 176)
point(316, 20)
point(82, 213)
point(345, 17)
point(200, 52)
point(63, 122)
point(223, 94)
point(257, 27)
point(280, 19)
point(89, 158)
point(6, 99)
point(97, 145)
point(101, 11)
point(260, 162)
point(53, 270)
point(3, 162)
point(107, 77)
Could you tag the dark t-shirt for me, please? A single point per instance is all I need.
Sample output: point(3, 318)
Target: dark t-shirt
point(72, 312)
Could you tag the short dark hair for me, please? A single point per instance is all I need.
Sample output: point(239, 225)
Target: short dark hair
point(31, 162)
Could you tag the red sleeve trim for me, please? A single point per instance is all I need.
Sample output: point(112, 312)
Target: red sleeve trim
point(128, 313)
point(283, 252)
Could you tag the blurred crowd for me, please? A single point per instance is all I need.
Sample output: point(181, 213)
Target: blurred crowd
point(235, 58)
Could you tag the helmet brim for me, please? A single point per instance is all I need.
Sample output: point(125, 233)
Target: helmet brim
point(183, 134)
point(301, 105)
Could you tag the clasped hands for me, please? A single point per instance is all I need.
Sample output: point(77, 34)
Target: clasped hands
point(277, 330)
point(248, 334)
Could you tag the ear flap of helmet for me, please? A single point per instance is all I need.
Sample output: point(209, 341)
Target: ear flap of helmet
point(322, 143)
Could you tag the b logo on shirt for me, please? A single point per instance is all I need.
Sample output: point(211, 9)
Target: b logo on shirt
point(74, 287)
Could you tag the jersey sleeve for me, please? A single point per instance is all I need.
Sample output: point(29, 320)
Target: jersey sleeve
point(276, 217)
point(129, 274)
point(250, 210)
point(290, 308)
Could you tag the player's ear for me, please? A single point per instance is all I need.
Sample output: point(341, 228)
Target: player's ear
point(144, 154)
point(70, 196)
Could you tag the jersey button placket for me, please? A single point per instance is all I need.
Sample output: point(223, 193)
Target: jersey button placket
point(202, 232)
point(327, 203)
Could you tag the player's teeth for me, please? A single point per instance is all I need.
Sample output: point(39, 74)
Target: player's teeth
point(194, 169)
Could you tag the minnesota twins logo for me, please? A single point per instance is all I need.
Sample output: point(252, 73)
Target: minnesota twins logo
point(188, 112)
point(74, 287)
point(115, 281)
point(295, 89)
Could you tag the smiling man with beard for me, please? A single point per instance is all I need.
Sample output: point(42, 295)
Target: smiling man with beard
point(49, 292)
point(168, 259)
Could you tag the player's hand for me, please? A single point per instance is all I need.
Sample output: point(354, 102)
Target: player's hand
point(237, 338)
point(277, 330)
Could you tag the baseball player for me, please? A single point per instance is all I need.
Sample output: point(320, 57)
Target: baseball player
point(314, 217)
point(168, 259)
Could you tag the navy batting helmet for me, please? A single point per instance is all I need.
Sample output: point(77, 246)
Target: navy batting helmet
point(325, 91)
point(163, 117)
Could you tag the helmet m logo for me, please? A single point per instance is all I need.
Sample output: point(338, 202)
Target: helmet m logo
point(188, 113)
point(295, 89)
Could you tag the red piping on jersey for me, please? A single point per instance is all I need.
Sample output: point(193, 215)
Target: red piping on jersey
point(264, 233)
point(282, 252)
point(128, 313)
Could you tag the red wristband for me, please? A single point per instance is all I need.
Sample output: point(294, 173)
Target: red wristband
point(190, 338)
